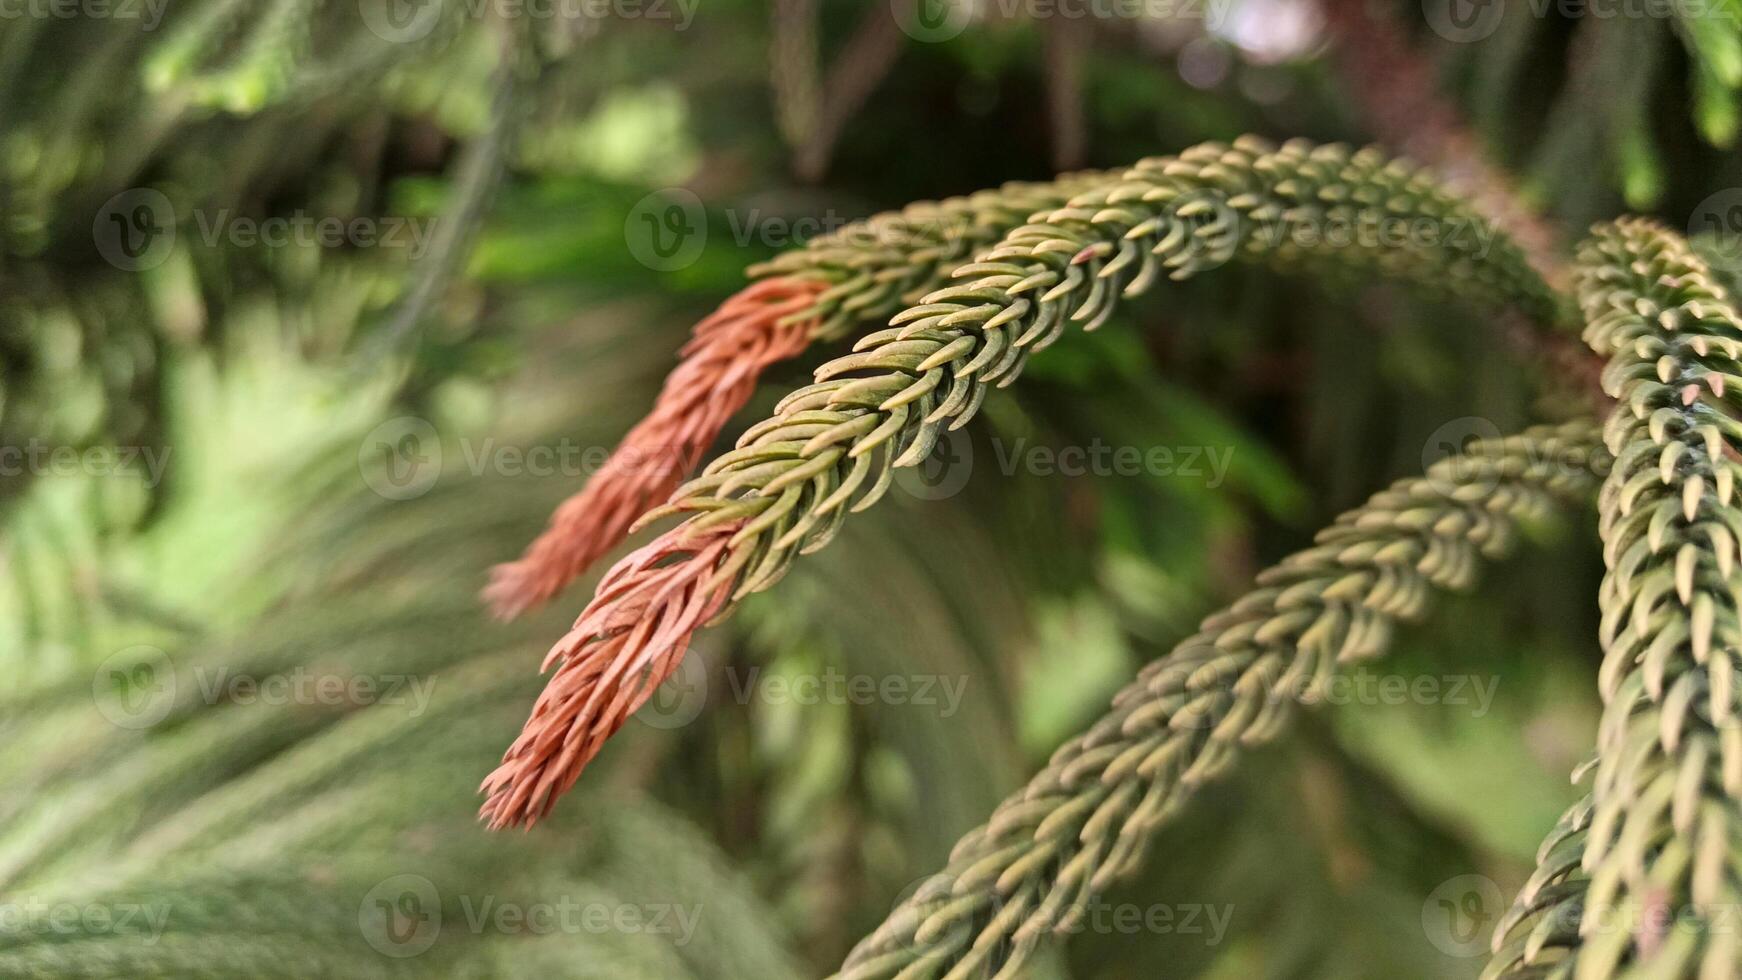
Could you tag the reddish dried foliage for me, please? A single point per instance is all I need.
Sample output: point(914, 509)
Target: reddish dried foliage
point(720, 367)
point(624, 645)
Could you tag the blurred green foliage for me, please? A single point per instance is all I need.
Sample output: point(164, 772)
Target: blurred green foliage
point(276, 838)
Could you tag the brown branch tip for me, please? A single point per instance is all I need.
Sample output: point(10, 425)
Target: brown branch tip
point(758, 326)
point(628, 640)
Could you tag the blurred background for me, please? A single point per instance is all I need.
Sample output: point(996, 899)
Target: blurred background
point(310, 313)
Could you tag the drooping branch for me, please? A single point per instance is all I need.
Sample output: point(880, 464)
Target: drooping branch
point(715, 378)
point(832, 447)
point(865, 271)
point(1085, 819)
point(1644, 877)
point(631, 637)
point(877, 266)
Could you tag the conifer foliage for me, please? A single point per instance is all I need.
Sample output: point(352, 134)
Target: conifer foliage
point(256, 693)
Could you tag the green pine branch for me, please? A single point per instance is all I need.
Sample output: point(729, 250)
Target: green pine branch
point(1085, 819)
point(832, 447)
point(1644, 877)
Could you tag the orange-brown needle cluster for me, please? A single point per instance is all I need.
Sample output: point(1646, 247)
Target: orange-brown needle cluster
point(759, 326)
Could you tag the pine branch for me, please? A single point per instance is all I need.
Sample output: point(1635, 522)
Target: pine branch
point(718, 373)
point(865, 271)
point(877, 266)
point(646, 609)
point(1643, 877)
point(1083, 821)
point(833, 446)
